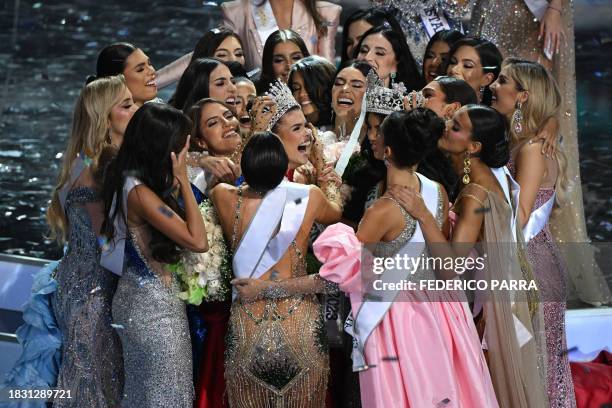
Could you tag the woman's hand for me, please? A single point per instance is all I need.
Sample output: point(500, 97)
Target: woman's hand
point(329, 175)
point(413, 100)
point(263, 109)
point(222, 168)
point(410, 199)
point(179, 164)
point(551, 30)
point(249, 290)
point(549, 133)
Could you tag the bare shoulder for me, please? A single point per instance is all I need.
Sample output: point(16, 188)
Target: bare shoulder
point(328, 6)
point(222, 192)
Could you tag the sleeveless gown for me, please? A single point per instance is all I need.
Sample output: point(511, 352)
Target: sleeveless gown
point(276, 349)
point(91, 363)
point(152, 325)
point(552, 277)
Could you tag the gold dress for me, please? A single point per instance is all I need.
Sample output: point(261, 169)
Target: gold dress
point(276, 349)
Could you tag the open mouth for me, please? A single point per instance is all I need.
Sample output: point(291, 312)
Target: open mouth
point(152, 83)
point(304, 147)
point(433, 74)
point(231, 101)
point(230, 134)
point(346, 102)
point(245, 120)
point(305, 102)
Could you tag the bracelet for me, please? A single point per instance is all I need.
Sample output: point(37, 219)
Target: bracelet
point(556, 9)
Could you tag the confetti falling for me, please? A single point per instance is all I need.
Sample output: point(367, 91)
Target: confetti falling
point(117, 326)
point(94, 290)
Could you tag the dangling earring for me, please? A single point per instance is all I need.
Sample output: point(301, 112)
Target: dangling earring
point(108, 138)
point(517, 118)
point(392, 76)
point(481, 91)
point(466, 168)
point(386, 161)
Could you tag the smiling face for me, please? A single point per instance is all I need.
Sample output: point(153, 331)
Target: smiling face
point(285, 54)
point(140, 77)
point(120, 115)
point(296, 137)
point(505, 93)
point(347, 93)
point(373, 125)
point(245, 93)
point(300, 93)
point(435, 57)
point(378, 52)
point(219, 130)
point(465, 64)
point(221, 86)
point(230, 50)
point(355, 31)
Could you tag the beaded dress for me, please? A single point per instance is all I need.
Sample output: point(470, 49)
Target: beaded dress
point(152, 325)
point(276, 349)
point(91, 363)
point(551, 275)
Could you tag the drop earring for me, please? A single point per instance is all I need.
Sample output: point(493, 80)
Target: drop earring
point(481, 92)
point(392, 76)
point(517, 119)
point(386, 161)
point(466, 168)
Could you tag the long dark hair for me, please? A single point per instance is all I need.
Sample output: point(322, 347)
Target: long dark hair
point(450, 37)
point(264, 161)
point(195, 83)
point(111, 60)
point(318, 74)
point(407, 71)
point(491, 129)
point(490, 59)
point(210, 41)
point(374, 16)
point(267, 71)
point(152, 134)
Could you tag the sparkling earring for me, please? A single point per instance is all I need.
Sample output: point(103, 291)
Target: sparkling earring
point(386, 161)
point(392, 75)
point(517, 118)
point(481, 91)
point(466, 168)
point(108, 138)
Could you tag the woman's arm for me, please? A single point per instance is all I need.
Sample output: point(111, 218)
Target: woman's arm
point(326, 44)
point(172, 72)
point(327, 212)
point(250, 290)
point(191, 233)
point(530, 171)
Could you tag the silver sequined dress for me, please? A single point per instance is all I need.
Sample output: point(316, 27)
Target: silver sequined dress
point(91, 366)
point(153, 329)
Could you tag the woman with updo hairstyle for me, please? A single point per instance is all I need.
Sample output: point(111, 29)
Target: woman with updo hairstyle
point(311, 80)
point(220, 42)
point(386, 50)
point(283, 48)
point(478, 144)
point(280, 284)
point(134, 64)
point(477, 62)
point(440, 321)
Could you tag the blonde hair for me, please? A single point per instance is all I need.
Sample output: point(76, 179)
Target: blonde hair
point(88, 136)
point(543, 103)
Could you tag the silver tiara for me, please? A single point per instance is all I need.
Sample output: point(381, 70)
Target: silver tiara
point(380, 99)
point(284, 99)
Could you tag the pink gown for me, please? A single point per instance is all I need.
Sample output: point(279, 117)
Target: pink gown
point(425, 352)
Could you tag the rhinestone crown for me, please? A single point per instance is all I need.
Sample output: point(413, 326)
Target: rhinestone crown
point(380, 99)
point(284, 99)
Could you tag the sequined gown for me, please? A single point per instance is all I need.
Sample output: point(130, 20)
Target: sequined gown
point(91, 364)
point(551, 276)
point(153, 329)
point(276, 351)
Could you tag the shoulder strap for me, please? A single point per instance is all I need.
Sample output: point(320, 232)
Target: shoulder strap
point(236, 219)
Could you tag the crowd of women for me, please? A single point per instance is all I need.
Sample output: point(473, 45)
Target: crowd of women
point(306, 165)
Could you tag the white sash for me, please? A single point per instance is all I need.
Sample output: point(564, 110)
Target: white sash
point(78, 165)
point(259, 249)
point(538, 219)
point(347, 152)
point(113, 253)
point(433, 21)
point(197, 177)
point(510, 186)
point(371, 313)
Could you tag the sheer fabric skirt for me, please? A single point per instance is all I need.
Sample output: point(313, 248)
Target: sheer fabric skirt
point(276, 354)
